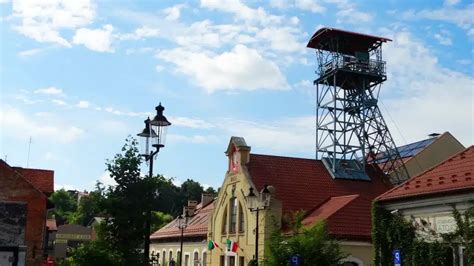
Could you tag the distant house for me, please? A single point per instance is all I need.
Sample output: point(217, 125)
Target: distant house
point(24, 198)
point(429, 197)
point(165, 243)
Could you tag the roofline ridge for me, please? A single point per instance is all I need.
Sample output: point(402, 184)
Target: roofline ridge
point(291, 157)
point(36, 169)
point(26, 179)
point(420, 174)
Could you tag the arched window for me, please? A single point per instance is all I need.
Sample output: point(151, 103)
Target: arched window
point(204, 258)
point(196, 258)
point(224, 222)
point(241, 219)
point(164, 257)
point(233, 215)
point(171, 255)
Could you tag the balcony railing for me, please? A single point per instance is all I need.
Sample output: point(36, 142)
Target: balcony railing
point(354, 64)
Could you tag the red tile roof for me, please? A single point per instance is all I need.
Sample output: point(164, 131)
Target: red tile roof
point(453, 174)
point(304, 184)
point(197, 225)
point(42, 179)
point(331, 206)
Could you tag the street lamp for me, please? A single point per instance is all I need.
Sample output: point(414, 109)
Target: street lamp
point(182, 224)
point(257, 203)
point(153, 134)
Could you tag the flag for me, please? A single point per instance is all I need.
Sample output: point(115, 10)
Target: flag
point(232, 245)
point(212, 245)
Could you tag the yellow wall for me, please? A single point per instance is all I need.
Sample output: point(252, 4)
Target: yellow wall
point(188, 247)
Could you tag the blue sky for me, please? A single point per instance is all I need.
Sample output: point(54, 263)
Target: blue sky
point(79, 76)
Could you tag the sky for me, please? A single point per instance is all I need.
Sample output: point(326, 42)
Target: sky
point(78, 77)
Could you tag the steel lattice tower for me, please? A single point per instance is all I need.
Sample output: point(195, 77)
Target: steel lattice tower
point(351, 134)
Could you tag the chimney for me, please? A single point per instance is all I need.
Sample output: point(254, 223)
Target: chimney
point(191, 208)
point(206, 198)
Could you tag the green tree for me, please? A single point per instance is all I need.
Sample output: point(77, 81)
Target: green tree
point(313, 244)
point(127, 204)
point(211, 190)
point(64, 205)
point(95, 253)
point(159, 219)
point(190, 190)
point(90, 206)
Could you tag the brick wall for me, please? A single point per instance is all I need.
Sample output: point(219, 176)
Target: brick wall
point(16, 188)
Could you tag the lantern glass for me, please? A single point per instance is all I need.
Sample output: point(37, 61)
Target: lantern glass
point(252, 199)
point(160, 125)
point(146, 138)
point(265, 196)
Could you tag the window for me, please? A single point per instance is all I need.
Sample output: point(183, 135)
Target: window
point(231, 261)
point(186, 260)
point(241, 261)
point(224, 222)
point(233, 215)
point(204, 258)
point(196, 258)
point(241, 219)
point(222, 262)
point(164, 257)
point(171, 255)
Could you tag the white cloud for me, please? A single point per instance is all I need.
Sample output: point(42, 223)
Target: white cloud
point(43, 20)
point(462, 17)
point(197, 139)
point(443, 38)
point(16, 124)
point(51, 91)
point(282, 39)
point(159, 68)
point(30, 52)
point(83, 104)
point(243, 12)
point(58, 102)
point(242, 68)
point(64, 186)
point(99, 40)
point(141, 33)
point(310, 5)
point(106, 179)
point(451, 2)
point(424, 97)
point(285, 136)
point(174, 12)
point(190, 122)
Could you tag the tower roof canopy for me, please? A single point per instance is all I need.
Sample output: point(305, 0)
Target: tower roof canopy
point(350, 42)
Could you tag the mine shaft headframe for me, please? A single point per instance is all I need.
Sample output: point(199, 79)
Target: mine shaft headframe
point(344, 42)
point(350, 130)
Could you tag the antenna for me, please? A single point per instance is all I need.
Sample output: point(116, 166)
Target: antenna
point(29, 149)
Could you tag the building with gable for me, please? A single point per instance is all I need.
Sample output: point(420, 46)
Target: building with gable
point(297, 185)
point(428, 198)
point(24, 202)
point(421, 155)
point(165, 243)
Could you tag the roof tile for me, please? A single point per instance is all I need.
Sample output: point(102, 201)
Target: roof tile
point(450, 175)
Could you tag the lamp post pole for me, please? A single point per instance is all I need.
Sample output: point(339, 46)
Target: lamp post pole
point(256, 204)
point(182, 224)
point(154, 133)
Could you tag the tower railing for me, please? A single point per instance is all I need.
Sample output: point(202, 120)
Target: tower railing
point(354, 64)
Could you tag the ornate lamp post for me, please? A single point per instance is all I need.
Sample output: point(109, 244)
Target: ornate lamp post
point(257, 203)
point(154, 135)
point(182, 224)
